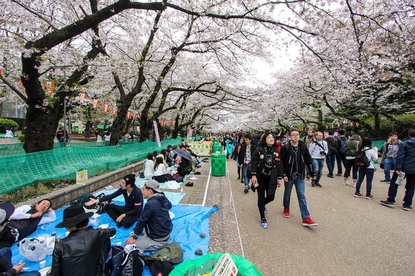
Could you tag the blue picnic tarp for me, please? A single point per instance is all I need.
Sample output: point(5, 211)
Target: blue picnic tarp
point(188, 223)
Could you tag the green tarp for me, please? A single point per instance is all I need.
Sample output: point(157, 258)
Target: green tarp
point(205, 264)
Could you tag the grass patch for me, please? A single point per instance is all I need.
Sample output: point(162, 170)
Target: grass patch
point(35, 190)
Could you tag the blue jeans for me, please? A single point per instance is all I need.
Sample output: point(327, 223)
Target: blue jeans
point(330, 161)
point(388, 165)
point(369, 177)
point(245, 174)
point(300, 189)
point(318, 165)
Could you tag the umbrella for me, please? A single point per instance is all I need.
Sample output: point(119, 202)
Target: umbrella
point(183, 154)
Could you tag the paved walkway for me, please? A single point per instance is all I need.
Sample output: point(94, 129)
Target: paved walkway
point(355, 236)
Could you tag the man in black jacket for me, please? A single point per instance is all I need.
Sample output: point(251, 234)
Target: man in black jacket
point(128, 214)
point(244, 159)
point(295, 158)
point(84, 250)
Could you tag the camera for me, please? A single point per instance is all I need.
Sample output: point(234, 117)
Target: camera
point(323, 152)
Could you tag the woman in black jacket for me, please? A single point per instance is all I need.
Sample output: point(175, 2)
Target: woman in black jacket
point(267, 173)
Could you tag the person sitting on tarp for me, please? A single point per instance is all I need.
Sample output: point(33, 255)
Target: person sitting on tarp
point(7, 268)
point(160, 171)
point(148, 165)
point(195, 159)
point(84, 250)
point(24, 221)
point(185, 165)
point(128, 214)
point(154, 225)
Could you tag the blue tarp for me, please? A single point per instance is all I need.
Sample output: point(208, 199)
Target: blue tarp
point(188, 223)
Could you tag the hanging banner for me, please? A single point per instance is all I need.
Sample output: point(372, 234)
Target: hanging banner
point(21, 81)
point(50, 87)
point(156, 131)
point(95, 104)
point(189, 132)
point(83, 95)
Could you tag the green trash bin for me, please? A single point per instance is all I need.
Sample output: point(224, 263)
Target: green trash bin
point(216, 148)
point(218, 163)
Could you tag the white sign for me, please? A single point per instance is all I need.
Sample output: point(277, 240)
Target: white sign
point(225, 267)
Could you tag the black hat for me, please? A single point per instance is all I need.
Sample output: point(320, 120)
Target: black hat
point(129, 179)
point(73, 215)
point(6, 210)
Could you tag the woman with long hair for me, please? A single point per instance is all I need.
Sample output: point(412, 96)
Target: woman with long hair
point(236, 154)
point(369, 171)
point(266, 171)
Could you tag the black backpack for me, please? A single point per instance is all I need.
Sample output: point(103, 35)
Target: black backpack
point(133, 264)
point(343, 147)
point(122, 264)
point(332, 145)
point(361, 159)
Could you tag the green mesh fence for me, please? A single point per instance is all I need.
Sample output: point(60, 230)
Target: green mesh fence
point(11, 149)
point(22, 169)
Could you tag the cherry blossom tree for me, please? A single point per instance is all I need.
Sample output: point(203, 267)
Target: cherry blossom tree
point(71, 44)
point(359, 68)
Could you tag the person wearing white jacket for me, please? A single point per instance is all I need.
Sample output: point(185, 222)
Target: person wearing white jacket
point(372, 155)
point(318, 150)
point(25, 220)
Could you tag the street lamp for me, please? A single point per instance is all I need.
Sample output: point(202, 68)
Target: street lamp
point(155, 127)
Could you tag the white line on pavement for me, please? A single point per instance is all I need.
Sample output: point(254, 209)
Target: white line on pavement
point(236, 218)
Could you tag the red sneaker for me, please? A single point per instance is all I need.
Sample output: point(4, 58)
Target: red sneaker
point(358, 195)
point(286, 213)
point(369, 197)
point(309, 222)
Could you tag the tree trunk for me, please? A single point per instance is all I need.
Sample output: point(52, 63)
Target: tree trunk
point(40, 130)
point(145, 128)
point(175, 132)
point(376, 126)
point(41, 119)
point(119, 123)
point(320, 120)
point(88, 125)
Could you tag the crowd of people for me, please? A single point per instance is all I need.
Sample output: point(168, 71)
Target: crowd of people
point(85, 250)
point(265, 161)
point(264, 164)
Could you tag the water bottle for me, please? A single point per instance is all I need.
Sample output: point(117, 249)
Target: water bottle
point(400, 179)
